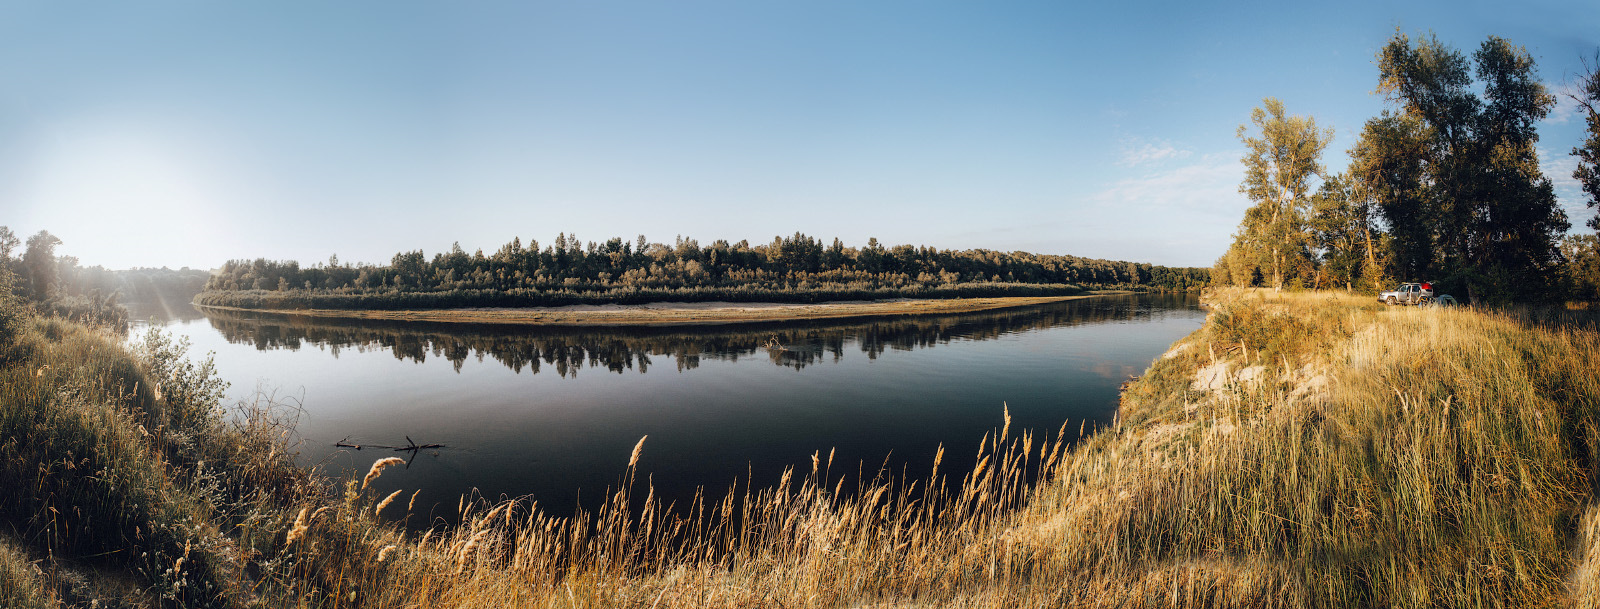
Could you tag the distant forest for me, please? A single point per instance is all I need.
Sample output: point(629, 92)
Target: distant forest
point(569, 271)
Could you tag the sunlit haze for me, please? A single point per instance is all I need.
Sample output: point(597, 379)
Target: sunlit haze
point(185, 134)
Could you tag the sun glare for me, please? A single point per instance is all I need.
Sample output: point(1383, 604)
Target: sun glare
point(122, 198)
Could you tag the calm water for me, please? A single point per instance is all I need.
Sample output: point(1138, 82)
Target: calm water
point(554, 414)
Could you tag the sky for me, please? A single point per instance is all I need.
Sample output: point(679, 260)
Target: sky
point(148, 134)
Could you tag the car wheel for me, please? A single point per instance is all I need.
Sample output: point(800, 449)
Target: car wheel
point(1390, 301)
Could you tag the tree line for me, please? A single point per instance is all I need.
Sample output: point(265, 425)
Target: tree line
point(1444, 185)
point(568, 350)
point(798, 267)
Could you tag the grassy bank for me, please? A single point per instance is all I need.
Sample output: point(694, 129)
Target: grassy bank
point(1299, 450)
point(676, 313)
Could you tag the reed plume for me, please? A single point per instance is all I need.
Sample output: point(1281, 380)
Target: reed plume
point(637, 448)
point(385, 503)
point(299, 528)
point(377, 469)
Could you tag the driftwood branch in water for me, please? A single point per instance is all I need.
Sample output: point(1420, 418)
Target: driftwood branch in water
point(412, 446)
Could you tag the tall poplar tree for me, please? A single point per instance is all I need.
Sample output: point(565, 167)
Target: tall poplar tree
point(1279, 163)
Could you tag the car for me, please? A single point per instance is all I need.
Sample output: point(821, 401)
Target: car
point(1408, 294)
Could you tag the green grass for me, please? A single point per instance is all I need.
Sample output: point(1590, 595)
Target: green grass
point(1300, 450)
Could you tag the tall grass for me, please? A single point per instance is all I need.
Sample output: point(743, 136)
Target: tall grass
point(1300, 450)
point(1410, 457)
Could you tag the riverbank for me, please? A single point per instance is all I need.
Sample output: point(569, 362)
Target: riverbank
point(786, 292)
point(678, 313)
point(1299, 450)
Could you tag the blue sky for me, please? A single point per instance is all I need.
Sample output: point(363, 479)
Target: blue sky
point(189, 133)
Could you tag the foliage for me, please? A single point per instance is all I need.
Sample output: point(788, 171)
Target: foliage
point(1588, 171)
point(1344, 237)
point(12, 311)
point(1443, 186)
point(790, 269)
point(1582, 253)
point(1279, 164)
point(532, 297)
point(1387, 163)
point(1456, 176)
point(39, 266)
point(94, 310)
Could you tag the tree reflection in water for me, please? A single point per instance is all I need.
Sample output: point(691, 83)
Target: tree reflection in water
point(566, 350)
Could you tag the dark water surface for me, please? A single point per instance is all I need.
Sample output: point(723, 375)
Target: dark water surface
point(554, 413)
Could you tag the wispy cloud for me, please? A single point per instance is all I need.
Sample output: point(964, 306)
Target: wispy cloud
point(1567, 109)
point(1138, 152)
point(1209, 184)
point(1174, 213)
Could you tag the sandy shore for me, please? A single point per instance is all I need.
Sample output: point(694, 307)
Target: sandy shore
point(678, 313)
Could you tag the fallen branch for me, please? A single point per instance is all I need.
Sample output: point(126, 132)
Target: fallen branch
point(411, 446)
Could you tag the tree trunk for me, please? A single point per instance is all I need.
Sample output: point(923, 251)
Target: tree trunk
point(1277, 270)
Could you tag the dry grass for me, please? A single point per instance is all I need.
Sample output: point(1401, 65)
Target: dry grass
point(1301, 450)
point(1352, 455)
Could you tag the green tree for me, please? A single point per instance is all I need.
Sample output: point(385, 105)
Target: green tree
point(1341, 233)
point(8, 243)
point(1457, 176)
point(1582, 253)
point(1279, 164)
point(1588, 171)
point(1522, 222)
point(1387, 165)
point(39, 262)
point(410, 268)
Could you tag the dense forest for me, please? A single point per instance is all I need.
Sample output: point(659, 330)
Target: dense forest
point(570, 271)
point(1445, 185)
point(58, 286)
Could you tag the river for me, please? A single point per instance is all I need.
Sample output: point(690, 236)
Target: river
point(553, 414)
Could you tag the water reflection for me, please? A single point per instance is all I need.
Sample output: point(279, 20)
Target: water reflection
point(565, 351)
point(874, 391)
point(163, 308)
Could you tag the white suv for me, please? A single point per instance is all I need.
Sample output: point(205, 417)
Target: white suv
point(1408, 293)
